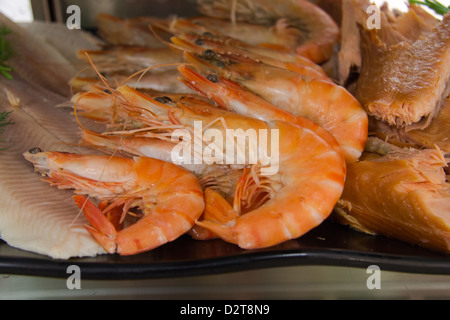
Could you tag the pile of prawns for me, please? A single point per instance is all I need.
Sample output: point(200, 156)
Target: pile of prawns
point(229, 83)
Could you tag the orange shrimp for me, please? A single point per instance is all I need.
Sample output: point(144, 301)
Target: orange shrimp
point(170, 198)
point(129, 32)
point(268, 208)
point(299, 24)
point(210, 45)
point(327, 104)
point(131, 59)
point(221, 178)
point(99, 105)
point(96, 105)
point(233, 97)
point(189, 33)
point(292, 206)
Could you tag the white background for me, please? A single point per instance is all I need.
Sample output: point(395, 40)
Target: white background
point(17, 10)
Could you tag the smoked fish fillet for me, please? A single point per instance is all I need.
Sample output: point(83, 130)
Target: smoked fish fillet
point(404, 78)
point(402, 195)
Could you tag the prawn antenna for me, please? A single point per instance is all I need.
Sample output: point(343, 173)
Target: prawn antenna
point(157, 35)
point(101, 77)
point(142, 72)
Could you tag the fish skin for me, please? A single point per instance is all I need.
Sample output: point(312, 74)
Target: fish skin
point(347, 59)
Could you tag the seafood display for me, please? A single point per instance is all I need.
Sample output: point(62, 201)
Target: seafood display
point(251, 123)
point(307, 164)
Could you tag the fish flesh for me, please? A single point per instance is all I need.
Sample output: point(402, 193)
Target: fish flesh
point(404, 80)
point(35, 60)
point(436, 134)
point(403, 195)
point(413, 24)
point(58, 36)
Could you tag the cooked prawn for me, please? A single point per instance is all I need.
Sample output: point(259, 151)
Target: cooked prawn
point(214, 179)
point(325, 103)
point(130, 32)
point(125, 135)
point(99, 104)
point(302, 25)
point(188, 31)
point(131, 59)
point(233, 97)
point(170, 198)
point(221, 178)
point(202, 44)
point(267, 209)
point(166, 81)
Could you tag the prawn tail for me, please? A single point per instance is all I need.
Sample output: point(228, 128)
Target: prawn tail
point(101, 228)
point(218, 217)
point(217, 208)
point(224, 232)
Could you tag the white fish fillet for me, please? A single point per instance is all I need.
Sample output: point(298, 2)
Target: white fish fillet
point(33, 215)
point(41, 64)
point(64, 40)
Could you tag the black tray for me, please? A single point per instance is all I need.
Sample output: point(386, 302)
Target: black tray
point(329, 244)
